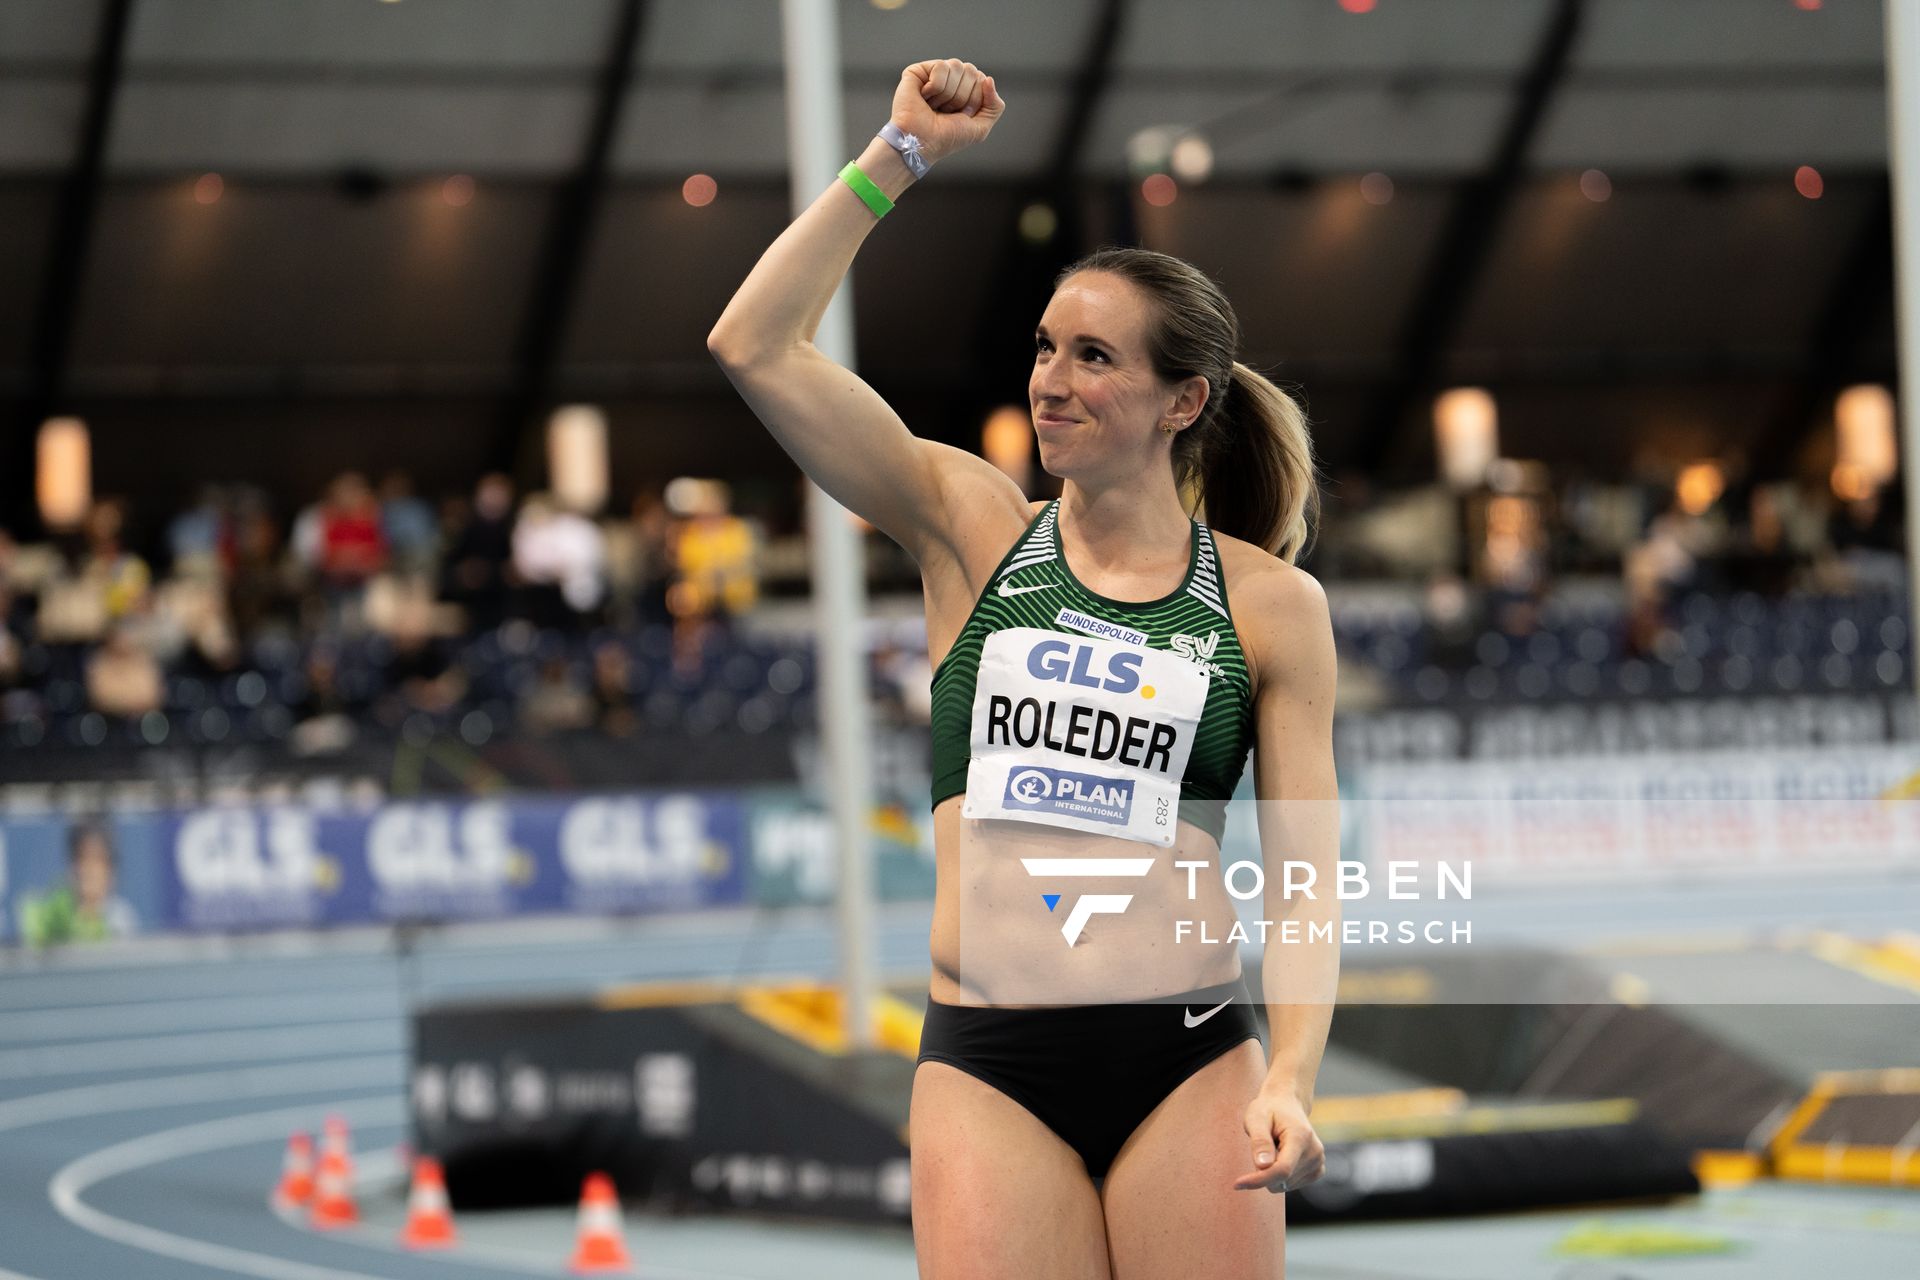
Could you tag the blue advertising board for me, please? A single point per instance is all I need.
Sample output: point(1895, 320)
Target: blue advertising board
point(67, 879)
point(286, 867)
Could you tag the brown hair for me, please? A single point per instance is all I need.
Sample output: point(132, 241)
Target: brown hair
point(1248, 455)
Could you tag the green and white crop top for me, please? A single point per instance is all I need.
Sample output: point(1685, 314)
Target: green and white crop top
point(1059, 706)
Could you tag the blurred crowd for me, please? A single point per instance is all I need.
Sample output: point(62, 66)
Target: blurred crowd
point(1686, 586)
point(228, 586)
point(373, 605)
point(1494, 557)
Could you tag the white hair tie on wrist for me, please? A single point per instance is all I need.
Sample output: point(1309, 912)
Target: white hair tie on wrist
point(912, 150)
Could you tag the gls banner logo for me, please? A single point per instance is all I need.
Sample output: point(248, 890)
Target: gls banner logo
point(1087, 905)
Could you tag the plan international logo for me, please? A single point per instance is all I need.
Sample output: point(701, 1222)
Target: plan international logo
point(1083, 795)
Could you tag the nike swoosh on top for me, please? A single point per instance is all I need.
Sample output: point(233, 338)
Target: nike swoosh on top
point(1194, 1022)
point(1008, 589)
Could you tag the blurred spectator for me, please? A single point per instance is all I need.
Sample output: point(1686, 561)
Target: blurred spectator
point(94, 587)
point(715, 563)
point(555, 702)
point(421, 675)
point(1658, 567)
point(412, 533)
point(1449, 611)
point(640, 562)
point(324, 714)
point(1866, 534)
point(479, 552)
point(352, 546)
point(9, 642)
point(257, 591)
point(197, 541)
point(613, 689)
point(714, 558)
point(121, 578)
point(201, 638)
point(122, 678)
point(561, 558)
point(86, 908)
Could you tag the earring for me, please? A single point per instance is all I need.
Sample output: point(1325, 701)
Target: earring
point(1169, 426)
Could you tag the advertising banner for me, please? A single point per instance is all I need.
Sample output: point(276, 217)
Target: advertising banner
point(68, 880)
point(1649, 817)
point(65, 879)
point(793, 851)
point(458, 861)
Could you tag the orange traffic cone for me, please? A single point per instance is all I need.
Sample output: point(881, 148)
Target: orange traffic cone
point(600, 1246)
point(429, 1219)
point(335, 1141)
point(333, 1204)
point(296, 1173)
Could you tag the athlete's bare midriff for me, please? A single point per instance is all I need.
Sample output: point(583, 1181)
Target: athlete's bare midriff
point(995, 941)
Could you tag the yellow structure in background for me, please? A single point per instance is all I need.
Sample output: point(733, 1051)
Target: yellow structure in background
point(1889, 1156)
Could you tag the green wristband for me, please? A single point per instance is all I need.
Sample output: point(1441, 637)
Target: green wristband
point(870, 195)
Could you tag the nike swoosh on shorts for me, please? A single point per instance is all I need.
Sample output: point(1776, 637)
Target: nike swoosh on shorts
point(1007, 589)
point(1194, 1022)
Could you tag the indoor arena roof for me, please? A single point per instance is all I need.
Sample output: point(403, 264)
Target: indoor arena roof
point(1707, 291)
point(507, 87)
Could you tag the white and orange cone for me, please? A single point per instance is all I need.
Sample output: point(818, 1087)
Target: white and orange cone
point(336, 1141)
point(429, 1217)
point(333, 1204)
point(600, 1245)
point(296, 1173)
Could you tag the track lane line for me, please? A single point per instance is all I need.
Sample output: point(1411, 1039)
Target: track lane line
point(94, 1056)
point(379, 1070)
point(67, 1187)
point(105, 1021)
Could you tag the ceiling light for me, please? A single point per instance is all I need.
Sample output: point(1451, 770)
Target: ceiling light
point(1192, 158)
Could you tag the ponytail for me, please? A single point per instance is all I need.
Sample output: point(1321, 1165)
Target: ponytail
point(1258, 484)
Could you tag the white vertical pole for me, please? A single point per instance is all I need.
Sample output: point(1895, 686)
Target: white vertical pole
point(816, 136)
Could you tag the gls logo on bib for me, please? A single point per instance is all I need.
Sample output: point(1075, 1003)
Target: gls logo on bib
point(1073, 663)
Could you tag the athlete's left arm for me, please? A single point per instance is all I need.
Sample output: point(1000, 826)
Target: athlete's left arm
point(1299, 821)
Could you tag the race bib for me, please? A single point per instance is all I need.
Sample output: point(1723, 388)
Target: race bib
point(1082, 732)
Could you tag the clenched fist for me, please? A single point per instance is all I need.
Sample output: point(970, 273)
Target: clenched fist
point(946, 103)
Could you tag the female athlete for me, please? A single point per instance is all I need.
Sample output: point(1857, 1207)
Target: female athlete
point(1092, 1098)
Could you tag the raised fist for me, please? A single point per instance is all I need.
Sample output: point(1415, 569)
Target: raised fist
point(946, 103)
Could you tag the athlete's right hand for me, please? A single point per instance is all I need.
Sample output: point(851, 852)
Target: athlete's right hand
point(946, 103)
